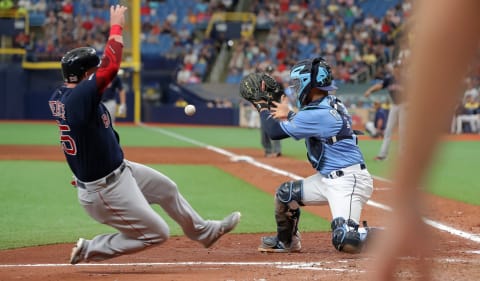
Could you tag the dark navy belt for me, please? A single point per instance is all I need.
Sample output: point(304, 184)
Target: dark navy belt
point(341, 172)
point(105, 181)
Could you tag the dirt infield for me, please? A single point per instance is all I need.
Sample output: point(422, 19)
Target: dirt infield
point(235, 257)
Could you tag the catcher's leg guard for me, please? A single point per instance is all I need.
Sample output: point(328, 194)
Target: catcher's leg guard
point(287, 210)
point(345, 236)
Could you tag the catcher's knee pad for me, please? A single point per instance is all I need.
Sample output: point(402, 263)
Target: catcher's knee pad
point(345, 236)
point(287, 209)
point(290, 193)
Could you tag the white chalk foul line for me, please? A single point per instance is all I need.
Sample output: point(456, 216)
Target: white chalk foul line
point(319, 266)
point(432, 223)
point(451, 230)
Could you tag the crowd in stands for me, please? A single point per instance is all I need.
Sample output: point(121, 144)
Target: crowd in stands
point(355, 38)
point(167, 28)
point(354, 42)
point(63, 25)
point(175, 29)
point(357, 44)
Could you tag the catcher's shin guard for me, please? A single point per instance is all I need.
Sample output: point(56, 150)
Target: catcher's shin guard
point(287, 210)
point(345, 236)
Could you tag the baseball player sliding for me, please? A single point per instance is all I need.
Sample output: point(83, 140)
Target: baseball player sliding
point(113, 190)
point(341, 179)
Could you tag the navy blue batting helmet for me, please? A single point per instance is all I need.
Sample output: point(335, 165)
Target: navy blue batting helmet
point(76, 62)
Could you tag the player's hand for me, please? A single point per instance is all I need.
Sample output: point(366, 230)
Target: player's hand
point(281, 109)
point(117, 15)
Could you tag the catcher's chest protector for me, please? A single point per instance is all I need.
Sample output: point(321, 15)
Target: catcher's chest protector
point(315, 146)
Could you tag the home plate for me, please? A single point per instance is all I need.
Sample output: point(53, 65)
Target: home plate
point(239, 158)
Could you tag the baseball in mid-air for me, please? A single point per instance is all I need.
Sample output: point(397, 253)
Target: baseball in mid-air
point(190, 109)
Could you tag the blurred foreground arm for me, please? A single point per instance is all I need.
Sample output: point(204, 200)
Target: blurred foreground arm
point(446, 37)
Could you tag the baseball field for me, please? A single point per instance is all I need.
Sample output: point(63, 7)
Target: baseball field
point(220, 170)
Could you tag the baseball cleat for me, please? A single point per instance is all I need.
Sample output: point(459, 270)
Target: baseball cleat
point(77, 251)
point(226, 225)
point(271, 244)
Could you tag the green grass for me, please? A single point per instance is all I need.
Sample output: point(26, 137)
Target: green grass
point(39, 206)
point(39, 209)
point(454, 172)
point(28, 133)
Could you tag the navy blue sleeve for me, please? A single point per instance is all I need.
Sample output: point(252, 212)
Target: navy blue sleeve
point(272, 127)
point(387, 81)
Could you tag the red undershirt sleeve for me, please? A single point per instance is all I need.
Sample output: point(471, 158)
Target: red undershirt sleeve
point(110, 64)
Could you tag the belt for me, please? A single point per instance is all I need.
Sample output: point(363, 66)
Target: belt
point(341, 172)
point(105, 181)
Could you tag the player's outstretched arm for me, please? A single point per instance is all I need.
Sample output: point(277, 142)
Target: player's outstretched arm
point(374, 88)
point(117, 22)
point(112, 56)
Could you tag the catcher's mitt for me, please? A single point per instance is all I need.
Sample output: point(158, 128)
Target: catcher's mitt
point(260, 89)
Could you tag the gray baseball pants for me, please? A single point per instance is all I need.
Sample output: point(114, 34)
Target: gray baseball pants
point(124, 204)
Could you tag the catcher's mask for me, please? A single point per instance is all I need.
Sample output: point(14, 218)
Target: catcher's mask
point(76, 62)
point(308, 74)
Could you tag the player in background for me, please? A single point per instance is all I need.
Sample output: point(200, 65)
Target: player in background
point(341, 178)
point(271, 148)
point(446, 39)
point(390, 81)
point(111, 189)
point(376, 127)
point(113, 93)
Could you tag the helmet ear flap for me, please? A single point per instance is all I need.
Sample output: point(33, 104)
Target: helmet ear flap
point(314, 71)
point(325, 78)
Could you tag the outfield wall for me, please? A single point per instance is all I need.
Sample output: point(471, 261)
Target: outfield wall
point(24, 95)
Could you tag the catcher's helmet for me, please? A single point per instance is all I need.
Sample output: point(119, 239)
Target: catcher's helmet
point(76, 62)
point(308, 74)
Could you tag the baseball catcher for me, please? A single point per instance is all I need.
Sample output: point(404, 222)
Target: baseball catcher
point(341, 178)
point(261, 90)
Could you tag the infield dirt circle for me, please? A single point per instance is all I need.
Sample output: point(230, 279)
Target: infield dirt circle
point(235, 256)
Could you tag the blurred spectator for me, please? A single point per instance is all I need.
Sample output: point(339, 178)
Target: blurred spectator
point(223, 103)
point(234, 76)
point(467, 120)
point(472, 88)
point(25, 4)
point(67, 9)
point(183, 75)
point(40, 6)
point(181, 102)
point(6, 4)
point(22, 40)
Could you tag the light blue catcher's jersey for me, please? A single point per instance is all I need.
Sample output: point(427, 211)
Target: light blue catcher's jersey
point(324, 121)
